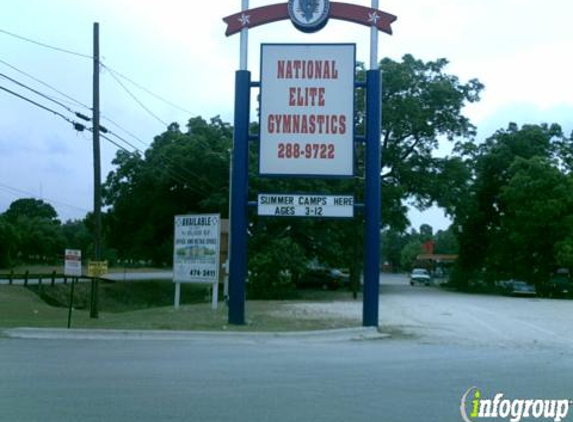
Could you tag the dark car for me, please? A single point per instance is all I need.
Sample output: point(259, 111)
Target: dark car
point(324, 278)
point(559, 285)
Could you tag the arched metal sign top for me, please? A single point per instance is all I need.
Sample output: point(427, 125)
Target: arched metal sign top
point(276, 12)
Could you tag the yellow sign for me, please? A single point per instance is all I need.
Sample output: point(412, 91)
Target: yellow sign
point(97, 268)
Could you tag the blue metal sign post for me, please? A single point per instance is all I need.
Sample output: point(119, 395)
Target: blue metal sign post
point(239, 199)
point(372, 206)
point(240, 22)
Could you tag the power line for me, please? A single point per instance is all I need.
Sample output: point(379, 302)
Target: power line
point(135, 137)
point(81, 116)
point(126, 142)
point(137, 100)
point(63, 94)
point(77, 126)
point(170, 173)
point(177, 167)
point(52, 47)
point(111, 70)
point(44, 84)
point(16, 192)
point(159, 97)
point(81, 127)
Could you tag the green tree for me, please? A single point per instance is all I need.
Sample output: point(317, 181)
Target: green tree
point(422, 104)
point(9, 241)
point(31, 208)
point(393, 242)
point(40, 239)
point(275, 267)
point(78, 236)
point(564, 249)
point(490, 219)
point(35, 229)
point(409, 253)
point(426, 233)
point(182, 172)
point(538, 208)
point(446, 242)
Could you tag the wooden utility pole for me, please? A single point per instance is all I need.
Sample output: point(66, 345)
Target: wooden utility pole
point(97, 172)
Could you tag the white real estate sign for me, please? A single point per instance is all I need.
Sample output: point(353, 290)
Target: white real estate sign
point(196, 248)
point(73, 263)
point(341, 206)
point(307, 110)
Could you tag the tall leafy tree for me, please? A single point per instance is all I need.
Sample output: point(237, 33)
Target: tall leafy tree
point(9, 241)
point(31, 208)
point(182, 172)
point(421, 105)
point(446, 242)
point(538, 211)
point(33, 230)
point(514, 171)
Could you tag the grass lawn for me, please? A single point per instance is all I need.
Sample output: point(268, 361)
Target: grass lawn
point(148, 305)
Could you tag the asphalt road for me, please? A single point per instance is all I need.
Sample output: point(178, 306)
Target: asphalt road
point(263, 380)
point(419, 374)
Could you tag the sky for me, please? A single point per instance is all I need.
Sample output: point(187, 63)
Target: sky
point(177, 49)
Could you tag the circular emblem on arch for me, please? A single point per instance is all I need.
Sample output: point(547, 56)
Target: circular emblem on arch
point(309, 15)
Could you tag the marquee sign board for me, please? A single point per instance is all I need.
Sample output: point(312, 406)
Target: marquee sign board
point(196, 248)
point(280, 205)
point(307, 110)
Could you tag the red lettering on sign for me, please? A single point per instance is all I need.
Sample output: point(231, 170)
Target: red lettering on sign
point(306, 97)
point(307, 69)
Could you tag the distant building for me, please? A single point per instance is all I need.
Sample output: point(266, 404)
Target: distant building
point(437, 264)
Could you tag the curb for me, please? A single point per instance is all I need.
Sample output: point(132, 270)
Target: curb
point(356, 334)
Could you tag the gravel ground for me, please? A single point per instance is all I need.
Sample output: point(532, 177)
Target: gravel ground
point(433, 315)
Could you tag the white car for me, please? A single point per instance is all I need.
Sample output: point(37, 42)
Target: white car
point(420, 276)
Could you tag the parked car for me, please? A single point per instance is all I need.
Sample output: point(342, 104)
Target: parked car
point(521, 288)
point(420, 276)
point(559, 285)
point(324, 278)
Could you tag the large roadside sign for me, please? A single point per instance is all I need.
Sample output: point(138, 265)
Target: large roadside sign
point(281, 205)
point(196, 248)
point(307, 110)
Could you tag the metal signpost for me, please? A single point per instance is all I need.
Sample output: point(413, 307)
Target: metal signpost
point(307, 129)
point(196, 252)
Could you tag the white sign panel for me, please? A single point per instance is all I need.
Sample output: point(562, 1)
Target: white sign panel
point(196, 248)
point(306, 205)
point(73, 263)
point(307, 109)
